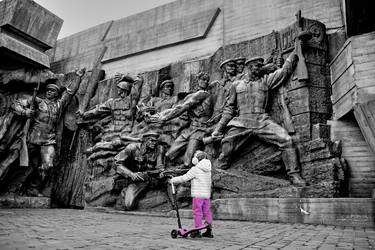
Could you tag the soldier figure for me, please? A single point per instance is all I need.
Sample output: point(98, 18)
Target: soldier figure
point(248, 98)
point(240, 66)
point(42, 134)
point(199, 107)
point(122, 110)
point(222, 88)
point(166, 100)
point(137, 162)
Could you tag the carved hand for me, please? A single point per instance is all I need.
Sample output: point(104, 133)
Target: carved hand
point(81, 72)
point(118, 76)
point(279, 61)
point(29, 113)
point(156, 118)
point(136, 176)
point(217, 133)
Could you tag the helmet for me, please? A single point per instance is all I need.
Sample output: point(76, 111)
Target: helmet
point(124, 85)
point(165, 82)
point(153, 134)
point(256, 59)
point(225, 62)
point(53, 86)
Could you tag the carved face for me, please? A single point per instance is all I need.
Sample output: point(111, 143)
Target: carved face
point(255, 68)
point(51, 93)
point(203, 83)
point(151, 142)
point(122, 92)
point(230, 68)
point(240, 66)
point(168, 89)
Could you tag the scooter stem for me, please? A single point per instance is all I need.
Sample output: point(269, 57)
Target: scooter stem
point(176, 205)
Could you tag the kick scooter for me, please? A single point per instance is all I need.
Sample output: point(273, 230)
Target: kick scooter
point(183, 232)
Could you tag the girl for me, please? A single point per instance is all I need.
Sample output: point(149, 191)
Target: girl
point(200, 176)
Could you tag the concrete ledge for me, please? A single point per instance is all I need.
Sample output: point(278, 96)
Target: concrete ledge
point(170, 33)
point(24, 51)
point(30, 21)
point(327, 211)
point(24, 202)
point(354, 212)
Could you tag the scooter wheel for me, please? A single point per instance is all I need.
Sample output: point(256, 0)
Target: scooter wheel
point(174, 233)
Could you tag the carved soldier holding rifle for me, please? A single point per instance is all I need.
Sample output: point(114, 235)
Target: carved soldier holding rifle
point(138, 161)
point(245, 115)
point(199, 107)
point(121, 109)
point(44, 114)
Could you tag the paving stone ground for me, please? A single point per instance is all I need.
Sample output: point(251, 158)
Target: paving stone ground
point(70, 229)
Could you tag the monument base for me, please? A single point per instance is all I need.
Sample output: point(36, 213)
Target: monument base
point(24, 202)
point(326, 211)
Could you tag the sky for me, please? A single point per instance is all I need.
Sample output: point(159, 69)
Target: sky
point(79, 15)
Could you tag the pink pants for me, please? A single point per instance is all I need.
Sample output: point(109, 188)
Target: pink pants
point(201, 208)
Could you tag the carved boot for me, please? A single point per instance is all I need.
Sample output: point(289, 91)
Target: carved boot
point(292, 166)
point(223, 162)
point(296, 179)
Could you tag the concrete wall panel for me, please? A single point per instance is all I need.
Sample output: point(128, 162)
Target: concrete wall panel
point(239, 20)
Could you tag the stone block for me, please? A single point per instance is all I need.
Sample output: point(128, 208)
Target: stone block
point(321, 131)
point(100, 192)
point(24, 202)
point(246, 209)
point(196, 26)
point(326, 211)
point(14, 52)
point(30, 21)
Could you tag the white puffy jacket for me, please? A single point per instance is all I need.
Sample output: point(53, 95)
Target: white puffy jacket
point(200, 176)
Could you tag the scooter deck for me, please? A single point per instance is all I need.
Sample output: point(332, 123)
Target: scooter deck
point(183, 232)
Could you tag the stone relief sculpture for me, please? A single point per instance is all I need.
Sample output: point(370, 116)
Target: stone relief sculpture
point(166, 100)
point(121, 109)
point(199, 107)
point(142, 163)
point(131, 145)
point(249, 98)
point(42, 115)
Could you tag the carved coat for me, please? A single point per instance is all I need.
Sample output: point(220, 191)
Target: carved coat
point(249, 98)
point(121, 112)
point(137, 158)
point(48, 112)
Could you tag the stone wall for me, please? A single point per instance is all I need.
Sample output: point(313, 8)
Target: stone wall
point(237, 21)
point(27, 30)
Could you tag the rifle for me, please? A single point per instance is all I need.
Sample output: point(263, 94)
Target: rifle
point(211, 139)
point(91, 88)
point(24, 154)
point(302, 73)
point(166, 172)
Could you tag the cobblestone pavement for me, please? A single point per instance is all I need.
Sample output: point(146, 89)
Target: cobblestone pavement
point(67, 229)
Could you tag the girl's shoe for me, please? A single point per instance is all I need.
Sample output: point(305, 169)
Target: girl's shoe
point(196, 234)
point(208, 233)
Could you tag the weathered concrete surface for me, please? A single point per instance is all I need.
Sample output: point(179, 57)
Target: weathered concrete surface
point(338, 211)
point(352, 73)
point(27, 30)
point(358, 155)
point(31, 21)
point(238, 20)
point(20, 52)
point(69, 229)
point(24, 202)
